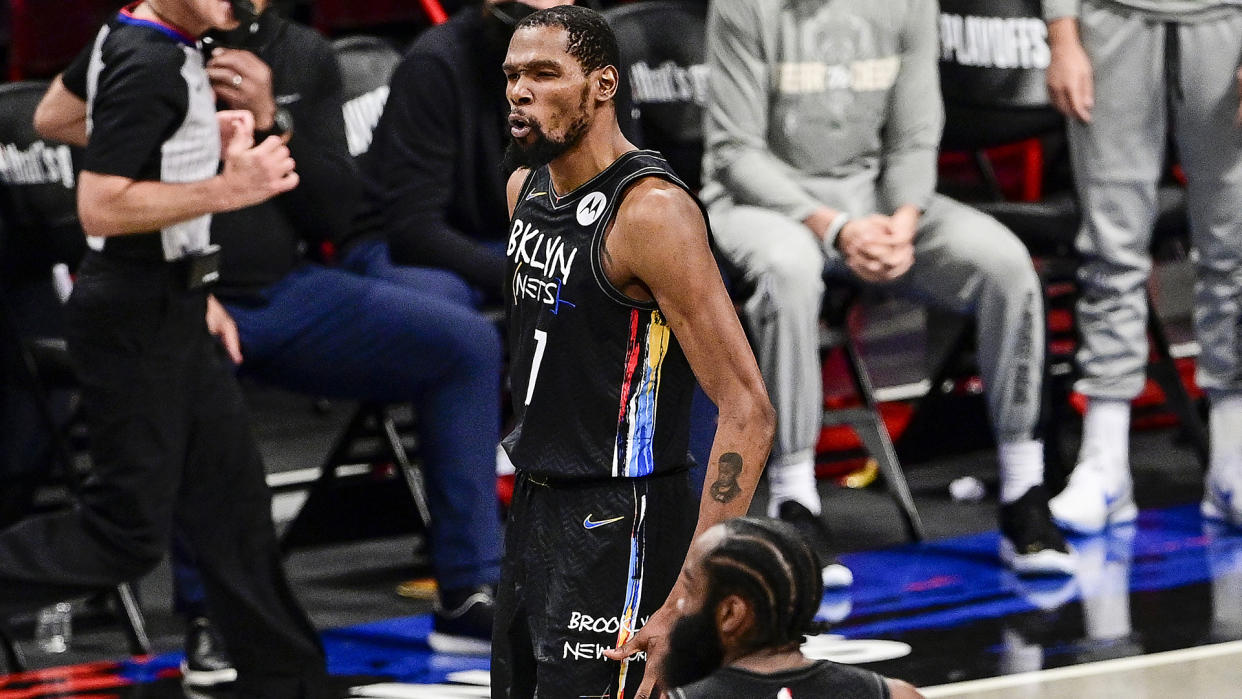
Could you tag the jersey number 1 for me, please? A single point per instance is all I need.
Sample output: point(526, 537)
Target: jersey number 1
point(541, 343)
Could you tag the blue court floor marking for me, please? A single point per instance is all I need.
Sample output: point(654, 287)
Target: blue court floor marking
point(395, 648)
point(955, 581)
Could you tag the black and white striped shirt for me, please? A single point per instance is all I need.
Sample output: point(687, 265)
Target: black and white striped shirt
point(150, 116)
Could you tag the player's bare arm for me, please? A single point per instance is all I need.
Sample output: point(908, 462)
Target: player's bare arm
point(112, 205)
point(61, 115)
point(657, 248)
point(514, 187)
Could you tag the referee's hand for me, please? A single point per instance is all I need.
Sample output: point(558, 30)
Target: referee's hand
point(255, 173)
point(220, 324)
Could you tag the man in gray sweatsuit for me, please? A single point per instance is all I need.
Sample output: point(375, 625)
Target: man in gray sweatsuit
point(1124, 71)
point(822, 128)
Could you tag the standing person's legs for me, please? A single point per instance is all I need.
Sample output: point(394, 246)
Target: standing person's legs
point(514, 664)
point(132, 373)
point(1117, 160)
point(569, 592)
point(25, 441)
point(1209, 141)
point(224, 509)
point(967, 262)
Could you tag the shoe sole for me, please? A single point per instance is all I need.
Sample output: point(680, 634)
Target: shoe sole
point(207, 678)
point(458, 645)
point(1211, 511)
point(836, 576)
point(1048, 562)
point(1126, 514)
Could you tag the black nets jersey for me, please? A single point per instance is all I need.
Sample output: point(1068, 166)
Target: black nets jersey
point(600, 385)
point(820, 679)
point(151, 115)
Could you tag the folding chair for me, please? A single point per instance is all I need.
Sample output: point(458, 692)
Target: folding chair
point(367, 64)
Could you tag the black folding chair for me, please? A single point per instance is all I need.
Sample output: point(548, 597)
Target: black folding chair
point(367, 64)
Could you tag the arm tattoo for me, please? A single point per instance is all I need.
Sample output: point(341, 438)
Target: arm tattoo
point(725, 489)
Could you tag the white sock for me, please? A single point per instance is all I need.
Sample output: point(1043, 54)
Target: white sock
point(1106, 436)
point(504, 467)
point(1021, 468)
point(793, 478)
point(1225, 428)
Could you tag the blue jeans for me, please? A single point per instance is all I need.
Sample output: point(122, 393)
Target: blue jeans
point(370, 330)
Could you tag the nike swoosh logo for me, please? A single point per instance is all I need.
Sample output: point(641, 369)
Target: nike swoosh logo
point(589, 524)
point(532, 195)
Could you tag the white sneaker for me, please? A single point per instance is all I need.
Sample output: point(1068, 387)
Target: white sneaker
point(836, 576)
point(1093, 500)
point(1222, 500)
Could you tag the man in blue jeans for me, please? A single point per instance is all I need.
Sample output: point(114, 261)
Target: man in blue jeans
point(364, 330)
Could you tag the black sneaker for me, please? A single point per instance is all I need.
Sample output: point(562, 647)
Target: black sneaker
point(463, 621)
point(815, 532)
point(206, 662)
point(1030, 543)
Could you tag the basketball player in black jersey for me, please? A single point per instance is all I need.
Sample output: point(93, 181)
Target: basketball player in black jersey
point(753, 586)
point(615, 304)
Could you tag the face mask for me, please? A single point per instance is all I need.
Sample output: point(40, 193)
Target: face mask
point(244, 11)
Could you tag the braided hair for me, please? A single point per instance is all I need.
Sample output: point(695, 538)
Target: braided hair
point(591, 41)
point(768, 563)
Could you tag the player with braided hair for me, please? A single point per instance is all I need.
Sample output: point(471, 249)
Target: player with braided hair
point(752, 589)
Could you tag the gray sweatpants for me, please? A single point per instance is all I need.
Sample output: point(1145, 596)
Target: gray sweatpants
point(1117, 161)
point(965, 262)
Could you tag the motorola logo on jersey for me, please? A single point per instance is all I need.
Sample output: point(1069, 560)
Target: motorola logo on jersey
point(591, 208)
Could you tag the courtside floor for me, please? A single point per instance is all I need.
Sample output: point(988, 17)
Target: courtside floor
point(1154, 610)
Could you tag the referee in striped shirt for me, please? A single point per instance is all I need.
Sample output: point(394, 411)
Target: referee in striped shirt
point(169, 433)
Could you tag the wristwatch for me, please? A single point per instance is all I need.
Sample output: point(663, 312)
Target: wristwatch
point(282, 125)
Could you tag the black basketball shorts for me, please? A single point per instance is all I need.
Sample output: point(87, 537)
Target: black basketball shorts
point(585, 565)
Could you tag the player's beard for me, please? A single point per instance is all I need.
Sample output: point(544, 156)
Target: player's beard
point(694, 649)
point(543, 150)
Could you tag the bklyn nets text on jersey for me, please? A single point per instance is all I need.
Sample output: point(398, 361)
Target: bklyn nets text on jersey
point(543, 263)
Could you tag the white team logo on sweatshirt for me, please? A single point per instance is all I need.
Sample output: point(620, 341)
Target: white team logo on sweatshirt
point(591, 208)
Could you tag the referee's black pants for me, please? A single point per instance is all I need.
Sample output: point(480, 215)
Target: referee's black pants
point(170, 443)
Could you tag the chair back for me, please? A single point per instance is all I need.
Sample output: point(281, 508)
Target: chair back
point(662, 46)
point(38, 177)
point(993, 54)
point(367, 64)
